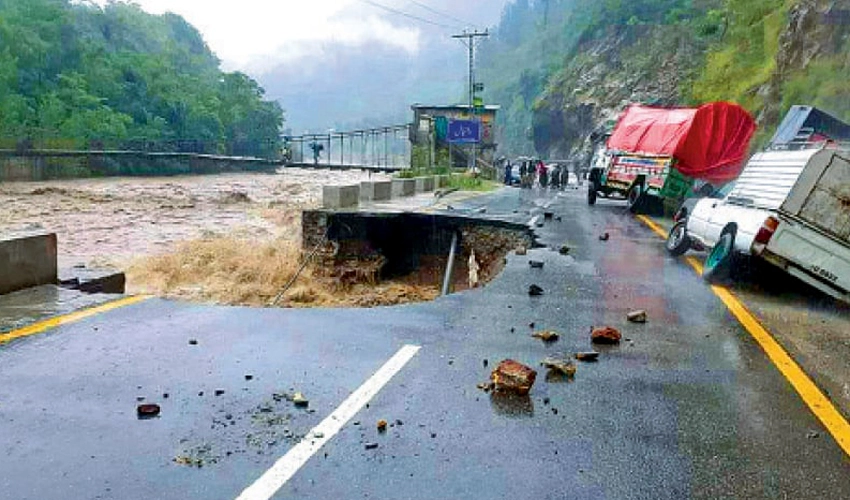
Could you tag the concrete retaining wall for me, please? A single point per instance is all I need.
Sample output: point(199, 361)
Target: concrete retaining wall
point(340, 196)
point(404, 187)
point(376, 191)
point(424, 184)
point(27, 261)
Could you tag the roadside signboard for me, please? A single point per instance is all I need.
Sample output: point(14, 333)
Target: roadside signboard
point(464, 132)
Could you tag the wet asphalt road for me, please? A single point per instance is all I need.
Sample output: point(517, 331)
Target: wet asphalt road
point(688, 407)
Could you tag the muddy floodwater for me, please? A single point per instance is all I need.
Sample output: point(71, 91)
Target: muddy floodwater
point(112, 221)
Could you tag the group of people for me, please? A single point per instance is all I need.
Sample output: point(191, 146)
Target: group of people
point(533, 172)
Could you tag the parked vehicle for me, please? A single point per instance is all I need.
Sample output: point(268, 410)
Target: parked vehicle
point(809, 236)
point(658, 152)
point(741, 222)
point(636, 178)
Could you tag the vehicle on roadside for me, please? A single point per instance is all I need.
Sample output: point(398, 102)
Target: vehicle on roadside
point(770, 212)
point(637, 178)
point(656, 153)
point(810, 237)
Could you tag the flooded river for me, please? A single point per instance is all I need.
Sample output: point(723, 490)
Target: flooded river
point(113, 221)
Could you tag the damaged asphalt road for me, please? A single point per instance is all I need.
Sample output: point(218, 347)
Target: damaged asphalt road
point(685, 406)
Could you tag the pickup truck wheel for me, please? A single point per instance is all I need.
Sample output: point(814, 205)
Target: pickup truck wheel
point(678, 241)
point(718, 264)
point(591, 193)
point(635, 198)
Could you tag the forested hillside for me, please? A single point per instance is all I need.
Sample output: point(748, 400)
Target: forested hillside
point(562, 69)
point(75, 75)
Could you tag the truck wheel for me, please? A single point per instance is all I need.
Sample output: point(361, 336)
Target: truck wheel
point(678, 241)
point(591, 193)
point(635, 198)
point(718, 264)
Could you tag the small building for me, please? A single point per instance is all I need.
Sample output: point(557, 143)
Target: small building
point(431, 122)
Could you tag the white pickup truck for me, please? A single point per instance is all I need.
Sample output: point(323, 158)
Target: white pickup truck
point(790, 207)
point(811, 230)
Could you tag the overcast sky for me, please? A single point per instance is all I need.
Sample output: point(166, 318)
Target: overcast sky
point(255, 35)
point(333, 63)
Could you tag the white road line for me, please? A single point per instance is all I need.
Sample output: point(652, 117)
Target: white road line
point(282, 471)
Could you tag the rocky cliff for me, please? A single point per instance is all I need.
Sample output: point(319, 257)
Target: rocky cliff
point(763, 54)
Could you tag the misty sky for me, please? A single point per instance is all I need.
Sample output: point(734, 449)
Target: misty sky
point(339, 62)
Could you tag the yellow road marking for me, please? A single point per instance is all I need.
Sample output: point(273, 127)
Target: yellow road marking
point(814, 398)
point(50, 323)
point(652, 225)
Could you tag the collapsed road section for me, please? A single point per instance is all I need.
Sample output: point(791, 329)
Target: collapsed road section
point(349, 248)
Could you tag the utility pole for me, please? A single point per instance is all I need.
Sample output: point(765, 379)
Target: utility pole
point(469, 39)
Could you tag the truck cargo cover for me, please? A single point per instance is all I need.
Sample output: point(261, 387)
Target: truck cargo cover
point(709, 142)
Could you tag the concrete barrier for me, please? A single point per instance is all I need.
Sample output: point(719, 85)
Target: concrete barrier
point(424, 184)
point(404, 187)
point(27, 261)
point(334, 197)
point(376, 191)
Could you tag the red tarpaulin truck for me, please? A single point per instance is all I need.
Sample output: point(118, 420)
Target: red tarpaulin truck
point(659, 151)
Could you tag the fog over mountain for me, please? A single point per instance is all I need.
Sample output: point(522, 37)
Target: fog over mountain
point(347, 83)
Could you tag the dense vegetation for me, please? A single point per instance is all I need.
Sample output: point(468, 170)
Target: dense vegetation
point(548, 58)
point(77, 75)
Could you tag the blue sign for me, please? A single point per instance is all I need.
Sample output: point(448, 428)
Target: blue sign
point(464, 132)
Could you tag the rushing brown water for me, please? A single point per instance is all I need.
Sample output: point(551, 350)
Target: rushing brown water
point(113, 221)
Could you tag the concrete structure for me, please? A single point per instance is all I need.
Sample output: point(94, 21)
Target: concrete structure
point(430, 127)
point(403, 187)
point(27, 261)
point(340, 196)
point(376, 190)
point(424, 184)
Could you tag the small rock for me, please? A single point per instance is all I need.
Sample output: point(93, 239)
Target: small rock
point(200, 393)
point(219, 392)
point(193, 342)
point(149, 410)
point(164, 395)
point(604, 237)
point(812, 435)
point(433, 435)
point(535, 291)
point(485, 362)
point(511, 376)
point(531, 325)
point(587, 356)
point(370, 446)
point(521, 251)
point(558, 218)
point(140, 398)
point(559, 366)
point(548, 215)
point(299, 400)
point(228, 416)
point(535, 264)
point(513, 330)
point(546, 335)
point(606, 335)
point(638, 316)
point(545, 401)
point(485, 386)
point(318, 435)
point(382, 425)
point(399, 422)
point(564, 250)
point(249, 377)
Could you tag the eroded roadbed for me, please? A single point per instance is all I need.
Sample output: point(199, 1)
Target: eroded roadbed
point(687, 406)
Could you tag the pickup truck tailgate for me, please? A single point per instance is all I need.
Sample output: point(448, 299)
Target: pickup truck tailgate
point(824, 258)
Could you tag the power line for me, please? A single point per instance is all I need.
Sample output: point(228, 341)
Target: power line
point(440, 13)
point(405, 14)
